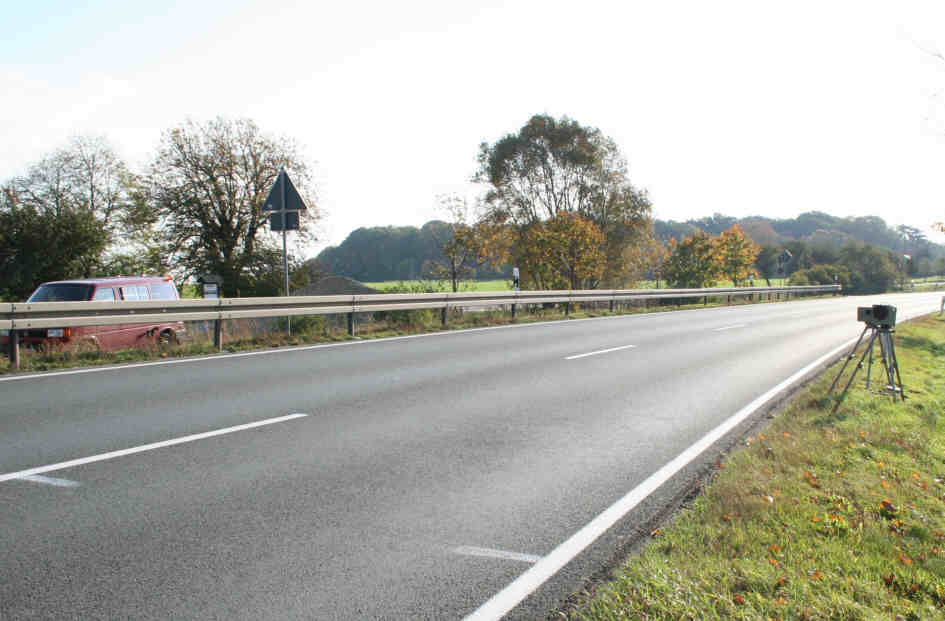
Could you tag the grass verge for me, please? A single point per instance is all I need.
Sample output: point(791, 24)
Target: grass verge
point(820, 516)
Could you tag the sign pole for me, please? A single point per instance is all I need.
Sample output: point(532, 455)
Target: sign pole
point(280, 196)
point(285, 257)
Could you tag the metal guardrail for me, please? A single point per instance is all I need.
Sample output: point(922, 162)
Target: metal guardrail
point(17, 317)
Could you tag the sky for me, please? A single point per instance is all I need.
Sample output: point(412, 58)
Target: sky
point(740, 108)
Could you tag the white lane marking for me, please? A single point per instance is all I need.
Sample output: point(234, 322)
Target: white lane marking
point(502, 554)
point(144, 447)
point(603, 351)
point(520, 588)
point(737, 325)
point(37, 478)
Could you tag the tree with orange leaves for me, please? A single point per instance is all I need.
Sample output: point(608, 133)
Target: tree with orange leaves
point(565, 252)
point(735, 253)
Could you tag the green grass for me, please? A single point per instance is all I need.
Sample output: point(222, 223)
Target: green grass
point(820, 516)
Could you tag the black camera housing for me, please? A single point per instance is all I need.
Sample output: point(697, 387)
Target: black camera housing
point(879, 316)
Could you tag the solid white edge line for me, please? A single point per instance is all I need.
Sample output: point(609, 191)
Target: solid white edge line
point(145, 447)
point(512, 595)
point(603, 351)
point(509, 597)
point(737, 325)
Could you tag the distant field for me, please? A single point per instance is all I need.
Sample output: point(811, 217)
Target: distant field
point(506, 285)
point(466, 285)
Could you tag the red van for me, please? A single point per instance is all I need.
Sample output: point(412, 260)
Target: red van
point(110, 337)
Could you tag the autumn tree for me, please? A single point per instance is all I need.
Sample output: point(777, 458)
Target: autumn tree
point(566, 252)
point(457, 242)
point(644, 258)
point(692, 262)
point(206, 187)
point(553, 166)
point(736, 253)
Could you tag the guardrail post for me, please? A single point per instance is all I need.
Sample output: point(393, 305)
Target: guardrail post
point(611, 305)
point(14, 342)
point(443, 316)
point(350, 324)
point(218, 334)
point(567, 309)
point(513, 311)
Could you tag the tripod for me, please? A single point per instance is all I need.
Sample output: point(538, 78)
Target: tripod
point(887, 351)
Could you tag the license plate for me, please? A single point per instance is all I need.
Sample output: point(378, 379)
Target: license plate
point(54, 333)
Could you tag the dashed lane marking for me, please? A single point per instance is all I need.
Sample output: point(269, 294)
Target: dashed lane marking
point(603, 351)
point(140, 449)
point(501, 554)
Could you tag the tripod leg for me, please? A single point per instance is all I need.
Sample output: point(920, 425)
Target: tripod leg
point(847, 361)
point(869, 367)
point(902, 391)
point(843, 394)
point(895, 379)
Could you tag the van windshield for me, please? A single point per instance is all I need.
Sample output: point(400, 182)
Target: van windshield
point(62, 292)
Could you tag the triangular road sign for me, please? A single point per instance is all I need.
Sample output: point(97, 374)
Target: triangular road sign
point(293, 202)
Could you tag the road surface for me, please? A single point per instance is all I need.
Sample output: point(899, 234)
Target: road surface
point(407, 478)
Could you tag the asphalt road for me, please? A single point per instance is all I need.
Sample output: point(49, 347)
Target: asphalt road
point(427, 473)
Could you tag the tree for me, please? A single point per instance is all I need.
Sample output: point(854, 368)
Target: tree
point(206, 187)
point(554, 166)
point(644, 259)
point(822, 275)
point(767, 262)
point(38, 246)
point(693, 262)
point(566, 252)
point(736, 253)
point(871, 270)
point(84, 183)
point(459, 250)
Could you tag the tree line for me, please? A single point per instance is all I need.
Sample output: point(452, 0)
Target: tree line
point(557, 203)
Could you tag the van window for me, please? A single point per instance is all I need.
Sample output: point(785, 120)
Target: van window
point(104, 294)
point(143, 292)
point(129, 293)
point(62, 292)
point(162, 291)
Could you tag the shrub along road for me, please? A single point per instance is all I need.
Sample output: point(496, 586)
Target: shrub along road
point(422, 475)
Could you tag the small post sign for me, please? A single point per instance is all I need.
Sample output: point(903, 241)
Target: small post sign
point(210, 286)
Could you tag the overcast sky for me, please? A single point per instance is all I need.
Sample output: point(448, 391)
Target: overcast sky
point(742, 108)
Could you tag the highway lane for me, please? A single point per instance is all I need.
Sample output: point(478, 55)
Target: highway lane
point(415, 455)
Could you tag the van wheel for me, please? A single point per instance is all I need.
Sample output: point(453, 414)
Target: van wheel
point(166, 338)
